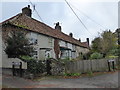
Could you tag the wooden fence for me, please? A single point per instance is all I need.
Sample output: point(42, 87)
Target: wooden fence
point(84, 66)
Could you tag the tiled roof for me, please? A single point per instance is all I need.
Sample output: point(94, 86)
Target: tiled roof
point(31, 24)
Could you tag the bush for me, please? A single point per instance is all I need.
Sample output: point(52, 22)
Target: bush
point(113, 52)
point(96, 56)
point(36, 67)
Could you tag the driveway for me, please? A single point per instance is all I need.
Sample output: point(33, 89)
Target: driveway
point(109, 80)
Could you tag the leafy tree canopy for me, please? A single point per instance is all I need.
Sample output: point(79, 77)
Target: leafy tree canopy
point(17, 44)
point(105, 44)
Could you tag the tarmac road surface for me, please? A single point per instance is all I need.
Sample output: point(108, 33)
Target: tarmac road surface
point(108, 80)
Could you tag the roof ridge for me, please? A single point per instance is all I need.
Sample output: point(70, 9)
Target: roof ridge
point(40, 27)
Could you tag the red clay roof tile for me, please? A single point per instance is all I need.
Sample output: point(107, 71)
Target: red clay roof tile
point(39, 27)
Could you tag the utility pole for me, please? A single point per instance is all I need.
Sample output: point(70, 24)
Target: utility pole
point(118, 35)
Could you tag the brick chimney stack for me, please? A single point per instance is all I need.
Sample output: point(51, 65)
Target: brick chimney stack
point(71, 34)
point(88, 41)
point(58, 27)
point(27, 11)
point(80, 39)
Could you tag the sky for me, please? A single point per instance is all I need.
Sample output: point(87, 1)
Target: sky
point(96, 15)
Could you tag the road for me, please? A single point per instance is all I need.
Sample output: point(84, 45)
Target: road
point(108, 80)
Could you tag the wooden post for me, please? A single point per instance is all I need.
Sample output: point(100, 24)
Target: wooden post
point(109, 66)
point(48, 62)
point(13, 68)
point(113, 65)
point(20, 69)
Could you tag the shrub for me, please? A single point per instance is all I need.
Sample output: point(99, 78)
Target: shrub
point(36, 67)
point(96, 55)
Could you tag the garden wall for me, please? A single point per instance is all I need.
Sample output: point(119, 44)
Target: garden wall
point(7, 62)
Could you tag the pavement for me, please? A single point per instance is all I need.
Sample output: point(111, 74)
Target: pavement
point(108, 80)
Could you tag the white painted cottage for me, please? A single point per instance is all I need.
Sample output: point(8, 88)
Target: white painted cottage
point(48, 42)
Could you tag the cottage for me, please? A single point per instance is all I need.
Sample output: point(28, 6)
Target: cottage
point(47, 41)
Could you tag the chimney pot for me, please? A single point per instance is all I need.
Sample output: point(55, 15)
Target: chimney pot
point(79, 39)
point(71, 34)
point(29, 6)
point(87, 41)
point(58, 27)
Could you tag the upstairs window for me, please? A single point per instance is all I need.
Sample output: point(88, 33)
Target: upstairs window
point(33, 41)
point(66, 45)
point(33, 38)
point(73, 47)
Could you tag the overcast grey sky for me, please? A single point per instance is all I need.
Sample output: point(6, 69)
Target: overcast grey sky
point(104, 13)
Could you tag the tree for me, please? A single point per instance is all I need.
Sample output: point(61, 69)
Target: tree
point(105, 44)
point(17, 45)
point(108, 42)
point(96, 47)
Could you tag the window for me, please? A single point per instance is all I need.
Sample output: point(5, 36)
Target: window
point(73, 54)
point(48, 54)
point(73, 47)
point(63, 54)
point(33, 39)
point(66, 44)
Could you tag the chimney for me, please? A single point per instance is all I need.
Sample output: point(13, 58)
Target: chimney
point(87, 41)
point(71, 34)
point(79, 39)
point(27, 11)
point(58, 27)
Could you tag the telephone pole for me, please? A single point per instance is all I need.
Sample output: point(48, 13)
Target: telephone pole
point(118, 36)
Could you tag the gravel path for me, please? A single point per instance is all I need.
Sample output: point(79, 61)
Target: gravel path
point(109, 80)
